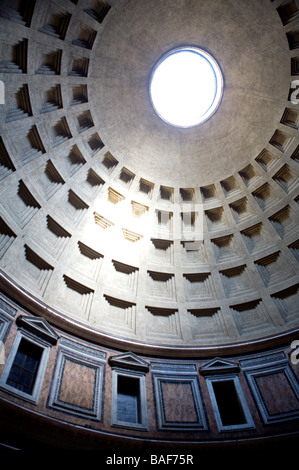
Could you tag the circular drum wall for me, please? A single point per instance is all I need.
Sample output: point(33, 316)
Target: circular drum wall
point(121, 227)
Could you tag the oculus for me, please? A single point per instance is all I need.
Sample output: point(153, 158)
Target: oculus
point(186, 87)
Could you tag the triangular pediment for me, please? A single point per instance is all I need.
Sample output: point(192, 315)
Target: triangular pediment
point(129, 360)
point(38, 326)
point(219, 366)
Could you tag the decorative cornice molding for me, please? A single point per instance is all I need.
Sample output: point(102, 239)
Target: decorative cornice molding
point(38, 326)
point(219, 366)
point(129, 361)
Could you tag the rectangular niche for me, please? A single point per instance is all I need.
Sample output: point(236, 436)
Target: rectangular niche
point(265, 197)
point(187, 195)
point(52, 100)
point(38, 271)
point(78, 381)
point(199, 286)
point(280, 140)
point(24, 207)
point(51, 180)
point(164, 222)
point(288, 11)
point(128, 399)
point(75, 207)
point(85, 121)
point(284, 222)
point(119, 316)
point(286, 178)
point(293, 39)
point(290, 118)
point(102, 222)
point(7, 236)
point(146, 187)
point(78, 95)
point(216, 219)
point(56, 24)
point(274, 269)
point(188, 221)
point(126, 277)
point(209, 193)
point(55, 238)
point(266, 160)
point(14, 56)
point(78, 297)
point(276, 393)
point(161, 285)
point(20, 105)
point(237, 281)
point(74, 160)
point(129, 404)
point(294, 249)
point(287, 302)
point(114, 196)
point(249, 175)
point(126, 177)
point(6, 165)
point(85, 38)
point(99, 10)
point(256, 238)
point(161, 251)
point(130, 236)
point(32, 146)
point(166, 193)
point(79, 67)
point(93, 182)
point(229, 403)
point(250, 316)
point(294, 66)
point(60, 132)
point(50, 61)
point(109, 162)
point(241, 210)
point(225, 248)
point(229, 186)
point(179, 403)
point(163, 323)
point(207, 324)
point(194, 253)
point(19, 12)
point(295, 155)
point(89, 261)
point(139, 211)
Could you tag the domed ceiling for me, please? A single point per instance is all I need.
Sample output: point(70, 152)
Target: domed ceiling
point(122, 226)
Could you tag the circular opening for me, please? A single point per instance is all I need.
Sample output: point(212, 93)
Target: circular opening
point(186, 87)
